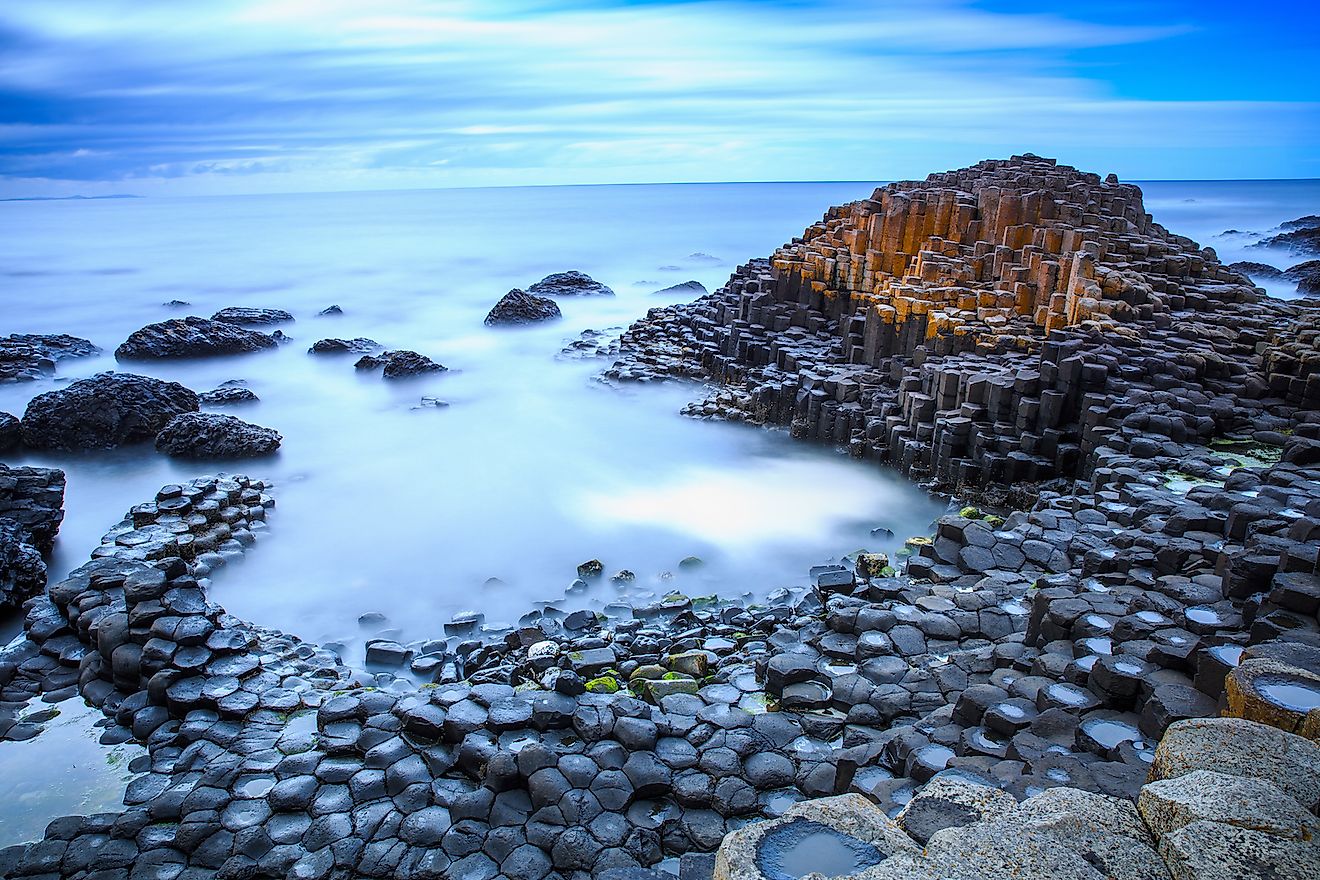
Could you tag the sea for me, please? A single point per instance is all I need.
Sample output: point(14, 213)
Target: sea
point(387, 506)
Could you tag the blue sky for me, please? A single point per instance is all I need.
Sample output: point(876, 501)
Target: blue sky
point(192, 97)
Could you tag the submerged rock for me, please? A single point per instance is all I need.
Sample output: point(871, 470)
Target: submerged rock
point(687, 288)
point(213, 435)
point(191, 337)
point(240, 315)
point(330, 311)
point(569, 284)
point(27, 356)
point(400, 364)
point(1302, 237)
point(1307, 276)
point(520, 307)
point(11, 434)
point(107, 410)
point(228, 396)
point(22, 571)
point(1256, 270)
point(359, 345)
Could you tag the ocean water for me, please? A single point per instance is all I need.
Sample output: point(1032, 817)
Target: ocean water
point(534, 466)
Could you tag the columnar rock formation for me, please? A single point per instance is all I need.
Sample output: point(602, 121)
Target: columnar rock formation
point(987, 326)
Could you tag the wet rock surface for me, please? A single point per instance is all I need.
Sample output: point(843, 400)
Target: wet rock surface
point(987, 699)
point(686, 288)
point(25, 356)
point(22, 570)
point(400, 364)
point(213, 435)
point(359, 345)
point(11, 432)
point(572, 283)
point(228, 395)
point(33, 498)
point(521, 307)
point(104, 411)
point(192, 337)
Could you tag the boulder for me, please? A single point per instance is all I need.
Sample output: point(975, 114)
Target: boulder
point(1204, 850)
point(213, 435)
point(1307, 276)
point(359, 345)
point(238, 315)
point(1256, 270)
point(27, 356)
point(105, 411)
point(191, 337)
point(520, 307)
point(228, 395)
point(400, 364)
point(11, 434)
point(1299, 240)
point(1168, 805)
point(22, 571)
point(571, 283)
point(1273, 693)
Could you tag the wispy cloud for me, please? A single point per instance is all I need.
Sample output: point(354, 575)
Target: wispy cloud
point(160, 96)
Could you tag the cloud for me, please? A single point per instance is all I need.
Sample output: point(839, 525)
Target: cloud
point(294, 94)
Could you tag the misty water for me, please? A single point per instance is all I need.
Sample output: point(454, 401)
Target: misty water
point(534, 466)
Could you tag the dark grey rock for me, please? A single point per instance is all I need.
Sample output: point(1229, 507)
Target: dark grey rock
point(241, 315)
point(572, 283)
point(520, 307)
point(107, 410)
point(213, 435)
point(191, 337)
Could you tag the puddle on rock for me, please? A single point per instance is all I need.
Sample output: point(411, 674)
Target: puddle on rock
point(803, 847)
point(62, 771)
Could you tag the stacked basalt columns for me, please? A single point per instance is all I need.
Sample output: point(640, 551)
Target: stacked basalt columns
point(33, 497)
point(983, 328)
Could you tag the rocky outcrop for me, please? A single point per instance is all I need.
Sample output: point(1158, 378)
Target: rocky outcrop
point(400, 364)
point(11, 433)
point(1300, 236)
point(26, 356)
point(571, 283)
point(256, 317)
point(213, 435)
point(22, 570)
point(1307, 276)
point(107, 410)
point(33, 497)
point(228, 395)
point(519, 307)
point(360, 345)
point(191, 337)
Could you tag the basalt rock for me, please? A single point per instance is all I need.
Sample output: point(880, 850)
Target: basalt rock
point(33, 498)
point(213, 435)
point(1256, 270)
point(107, 410)
point(22, 571)
point(571, 283)
point(228, 395)
point(687, 288)
point(1301, 239)
point(400, 364)
point(191, 337)
point(520, 307)
point(1307, 276)
point(240, 315)
point(26, 356)
point(11, 434)
point(359, 345)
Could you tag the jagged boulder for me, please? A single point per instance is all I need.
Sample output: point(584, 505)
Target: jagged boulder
point(239, 315)
point(400, 364)
point(191, 337)
point(28, 356)
point(1255, 270)
point(569, 284)
point(107, 410)
point(1307, 276)
point(213, 435)
point(520, 307)
point(228, 395)
point(687, 288)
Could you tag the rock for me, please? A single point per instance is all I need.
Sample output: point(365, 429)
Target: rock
point(1307, 276)
point(1241, 748)
point(191, 337)
point(571, 283)
point(359, 345)
point(22, 571)
point(26, 356)
point(228, 396)
point(950, 802)
point(212, 435)
point(400, 364)
point(239, 315)
point(687, 288)
point(1300, 240)
point(107, 410)
point(11, 434)
point(330, 311)
point(1168, 805)
point(1256, 270)
point(518, 307)
point(1210, 849)
point(1273, 693)
point(33, 498)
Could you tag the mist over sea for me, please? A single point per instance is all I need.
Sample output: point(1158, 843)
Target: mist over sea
point(384, 505)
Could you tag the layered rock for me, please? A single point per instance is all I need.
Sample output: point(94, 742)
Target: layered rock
point(520, 307)
point(257, 317)
point(400, 364)
point(25, 356)
point(359, 345)
point(104, 411)
point(213, 435)
point(191, 337)
point(11, 432)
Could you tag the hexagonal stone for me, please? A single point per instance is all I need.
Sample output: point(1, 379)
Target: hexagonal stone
point(1169, 804)
point(1211, 849)
point(1241, 748)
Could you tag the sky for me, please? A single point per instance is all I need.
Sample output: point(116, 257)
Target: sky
point(185, 97)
